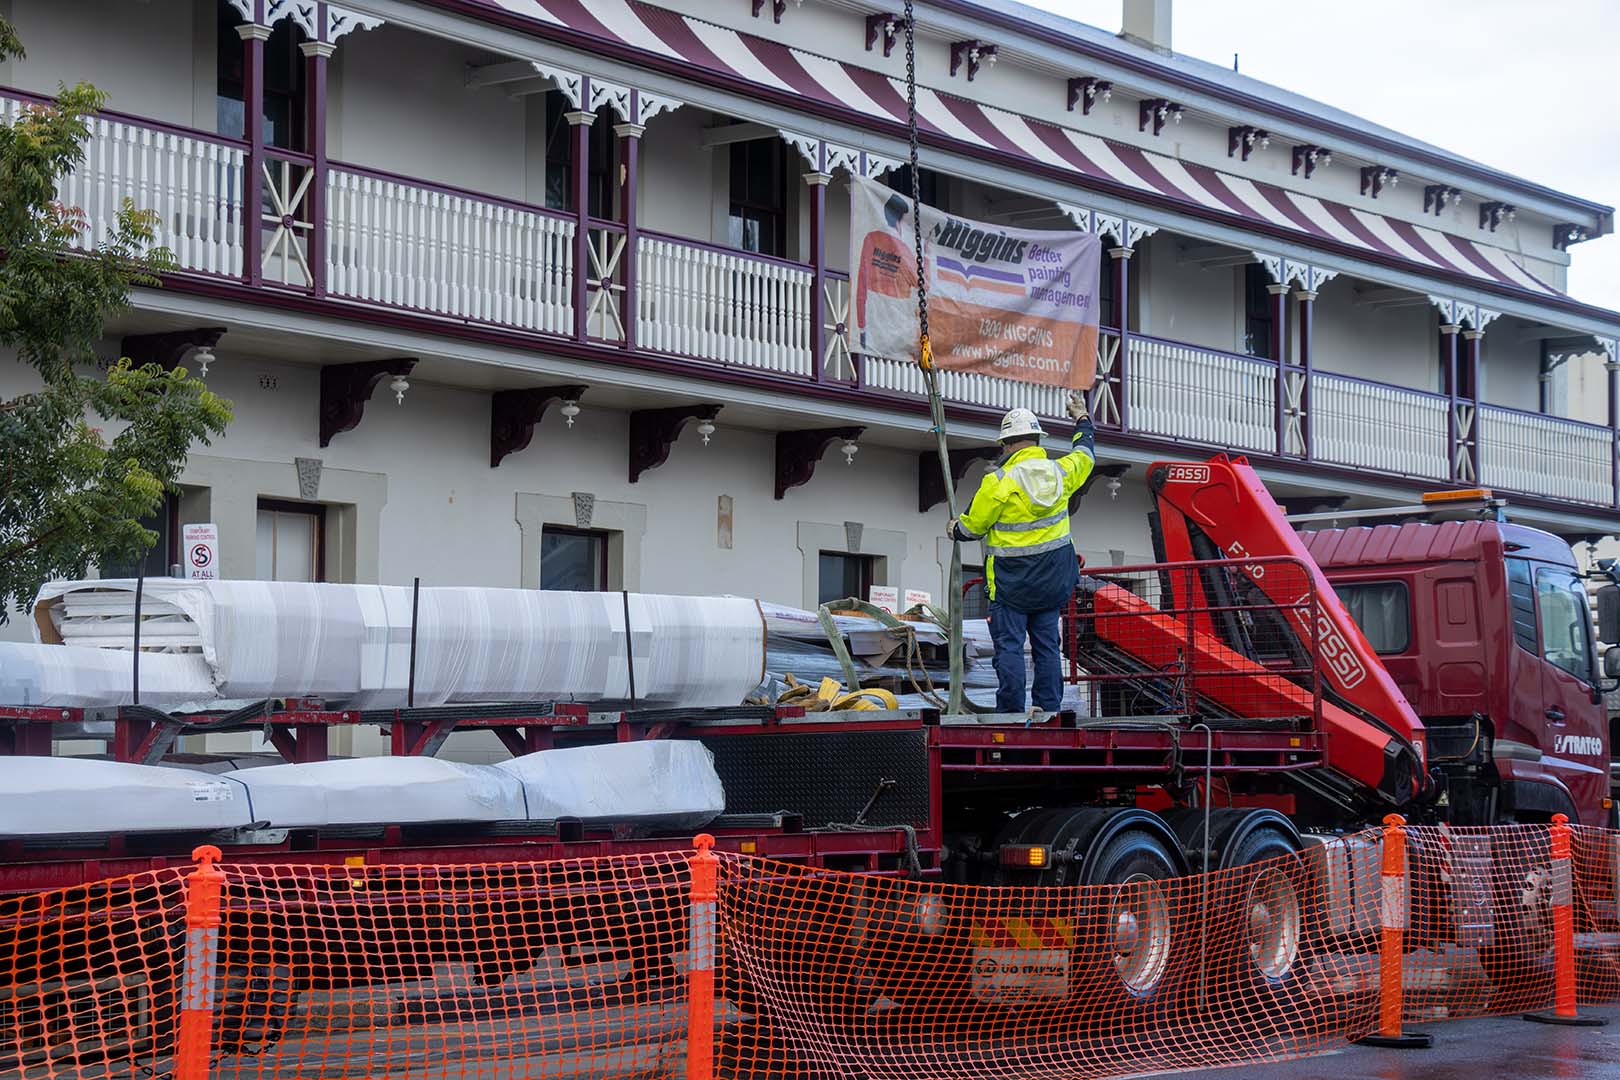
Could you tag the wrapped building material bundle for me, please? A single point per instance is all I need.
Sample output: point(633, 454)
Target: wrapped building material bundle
point(667, 782)
point(71, 677)
point(352, 643)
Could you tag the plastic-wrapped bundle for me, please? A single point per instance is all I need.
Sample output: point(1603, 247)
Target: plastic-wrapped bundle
point(70, 676)
point(351, 643)
point(55, 796)
point(390, 790)
point(664, 781)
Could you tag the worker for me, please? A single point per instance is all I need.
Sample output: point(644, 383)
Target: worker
point(1021, 513)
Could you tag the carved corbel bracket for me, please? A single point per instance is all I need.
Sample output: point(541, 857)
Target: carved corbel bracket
point(345, 389)
point(798, 452)
point(513, 415)
point(170, 347)
point(931, 483)
point(654, 431)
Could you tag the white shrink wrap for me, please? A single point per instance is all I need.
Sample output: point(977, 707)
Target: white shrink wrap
point(351, 643)
point(668, 782)
point(70, 676)
point(56, 796)
point(379, 791)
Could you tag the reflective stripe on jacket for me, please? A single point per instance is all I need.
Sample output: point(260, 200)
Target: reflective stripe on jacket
point(1021, 512)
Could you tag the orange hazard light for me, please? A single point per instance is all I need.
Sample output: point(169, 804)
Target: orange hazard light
point(1460, 495)
point(1034, 856)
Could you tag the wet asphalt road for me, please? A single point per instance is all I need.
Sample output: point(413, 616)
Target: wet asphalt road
point(1505, 1048)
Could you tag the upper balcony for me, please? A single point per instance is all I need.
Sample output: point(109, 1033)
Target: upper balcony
point(497, 195)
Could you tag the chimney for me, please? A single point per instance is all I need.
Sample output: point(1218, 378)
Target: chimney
point(1147, 22)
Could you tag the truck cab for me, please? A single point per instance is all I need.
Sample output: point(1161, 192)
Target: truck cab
point(1485, 627)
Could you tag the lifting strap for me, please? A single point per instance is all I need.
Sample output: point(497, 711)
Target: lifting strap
point(925, 358)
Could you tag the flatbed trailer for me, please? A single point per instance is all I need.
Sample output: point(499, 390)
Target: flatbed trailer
point(886, 812)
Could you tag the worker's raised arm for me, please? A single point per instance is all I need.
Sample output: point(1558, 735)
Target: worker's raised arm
point(1082, 456)
point(985, 510)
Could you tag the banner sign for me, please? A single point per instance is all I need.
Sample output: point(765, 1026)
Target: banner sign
point(1015, 303)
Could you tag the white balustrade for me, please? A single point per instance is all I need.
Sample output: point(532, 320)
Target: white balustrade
point(194, 186)
point(725, 306)
point(1375, 426)
point(966, 387)
point(1545, 455)
point(1201, 396)
point(449, 254)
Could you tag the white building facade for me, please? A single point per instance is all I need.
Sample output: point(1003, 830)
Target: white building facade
point(553, 293)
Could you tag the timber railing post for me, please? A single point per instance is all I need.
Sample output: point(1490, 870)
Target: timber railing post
point(701, 933)
point(1393, 908)
point(1564, 1011)
point(198, 978)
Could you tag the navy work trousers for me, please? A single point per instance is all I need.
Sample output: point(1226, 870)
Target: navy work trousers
point(1008, 628)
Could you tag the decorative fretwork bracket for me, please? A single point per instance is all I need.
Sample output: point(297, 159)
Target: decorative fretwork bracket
point(169, 348)
point(654, 431)
point(345, 389)
point(513, 415)
point(931, 482)
point(1106, 472)
point(798, 452)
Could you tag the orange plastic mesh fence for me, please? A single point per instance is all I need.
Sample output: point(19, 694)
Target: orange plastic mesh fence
point(89, 977)
point(582, 968)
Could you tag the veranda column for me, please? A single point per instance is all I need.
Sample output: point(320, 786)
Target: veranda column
point(1279, 356)
point(580, 132)
point(1448, 373)
point(1469, 378)
point(316, 55)
point(1611, 367)
point(1302, 359)
point(1122, 307)
point(253, 38)
point(629, 147)
point(818, 182)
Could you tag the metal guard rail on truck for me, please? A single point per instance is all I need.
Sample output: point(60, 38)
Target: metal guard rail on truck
point(722, 964)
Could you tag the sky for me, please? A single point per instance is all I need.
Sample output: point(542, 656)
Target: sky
point(1528, 88)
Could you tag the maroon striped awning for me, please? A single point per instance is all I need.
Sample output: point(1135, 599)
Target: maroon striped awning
point(639, 26)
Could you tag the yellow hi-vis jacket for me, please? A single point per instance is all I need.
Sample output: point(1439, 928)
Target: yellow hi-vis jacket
point(1021, 511)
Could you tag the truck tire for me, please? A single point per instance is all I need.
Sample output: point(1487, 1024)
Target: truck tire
point(1124, 942)
point(1138, 927)
point(1272, 913)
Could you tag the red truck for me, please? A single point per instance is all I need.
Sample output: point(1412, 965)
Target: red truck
point(1232, 674)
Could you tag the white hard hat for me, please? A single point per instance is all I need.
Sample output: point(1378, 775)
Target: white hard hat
point(1020, 423)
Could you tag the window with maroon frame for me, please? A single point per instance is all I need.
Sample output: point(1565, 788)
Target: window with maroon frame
point(1257, 320)
point(165, 550)
point(601, 159)
point(842, 575)
point(573, 560)
point(290, 541)
point(758, 219)
point(284, 93)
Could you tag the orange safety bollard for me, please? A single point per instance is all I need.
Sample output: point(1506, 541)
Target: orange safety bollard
point(1564, 1010)
point(701, 935)
point(1392, 947)
point(197, 977)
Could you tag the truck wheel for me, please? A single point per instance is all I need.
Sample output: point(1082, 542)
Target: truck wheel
point(1264, 906)
point(1271, 916)
point(1137, 928)
point(1125, 942)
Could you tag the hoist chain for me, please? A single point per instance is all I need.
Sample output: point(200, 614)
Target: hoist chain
point(957, 701)
point(925, 353)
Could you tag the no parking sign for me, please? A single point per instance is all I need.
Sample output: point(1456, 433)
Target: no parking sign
point(201, 551)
